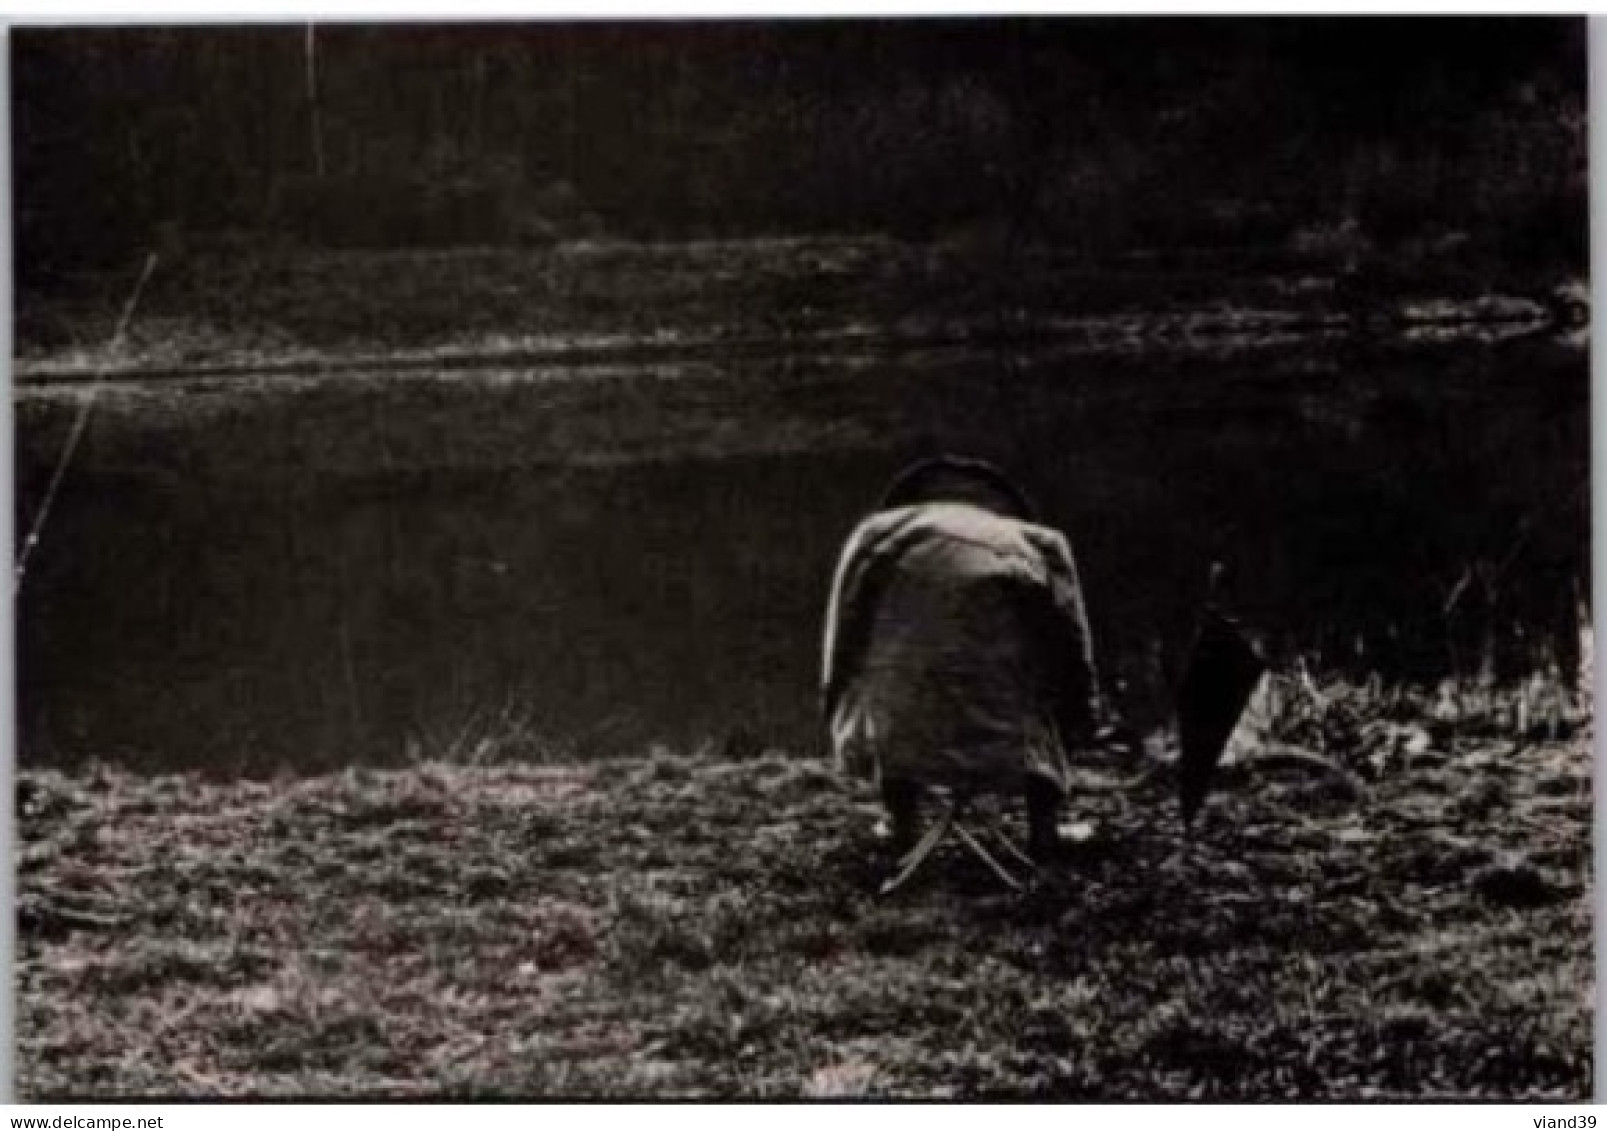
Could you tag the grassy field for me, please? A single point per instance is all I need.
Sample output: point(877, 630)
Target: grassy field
point(704, 923)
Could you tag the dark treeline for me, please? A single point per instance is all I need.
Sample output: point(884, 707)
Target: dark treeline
point(1110, 134)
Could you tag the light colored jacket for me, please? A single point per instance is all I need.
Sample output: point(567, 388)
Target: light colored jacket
point(957, 650)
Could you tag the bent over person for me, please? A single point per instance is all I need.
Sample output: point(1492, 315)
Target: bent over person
point(957, 650)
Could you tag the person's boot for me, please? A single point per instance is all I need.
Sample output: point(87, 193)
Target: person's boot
point(1043, 817)
point(902, 799)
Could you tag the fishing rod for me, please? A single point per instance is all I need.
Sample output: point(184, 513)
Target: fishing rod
point(80, 424)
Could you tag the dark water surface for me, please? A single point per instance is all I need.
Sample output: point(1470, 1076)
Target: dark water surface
point(246, 574)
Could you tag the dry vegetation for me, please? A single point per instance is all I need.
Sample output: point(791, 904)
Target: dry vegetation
point(705, 924)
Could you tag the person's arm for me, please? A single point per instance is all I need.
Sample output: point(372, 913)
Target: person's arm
point(848, 615)
point(869, 558)
point(1073, 684)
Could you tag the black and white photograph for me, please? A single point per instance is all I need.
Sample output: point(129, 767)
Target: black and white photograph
point(803, 559)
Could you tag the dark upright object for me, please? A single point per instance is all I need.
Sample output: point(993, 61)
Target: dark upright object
point(1222, 672)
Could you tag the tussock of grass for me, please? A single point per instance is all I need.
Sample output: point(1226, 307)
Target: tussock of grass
point(681, 924)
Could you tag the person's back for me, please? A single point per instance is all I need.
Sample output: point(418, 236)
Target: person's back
point(957, 649)
point(949, 688)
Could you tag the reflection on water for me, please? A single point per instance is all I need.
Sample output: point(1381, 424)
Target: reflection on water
point(312, 573)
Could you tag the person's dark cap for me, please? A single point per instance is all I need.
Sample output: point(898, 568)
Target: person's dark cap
point(958, 479)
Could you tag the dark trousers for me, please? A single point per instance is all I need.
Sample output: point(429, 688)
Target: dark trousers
point(902, 797)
